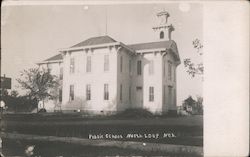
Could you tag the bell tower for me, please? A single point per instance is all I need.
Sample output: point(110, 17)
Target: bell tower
point(163, 29)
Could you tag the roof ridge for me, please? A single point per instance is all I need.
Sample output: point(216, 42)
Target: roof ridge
point(151, 42)
point(95, 41)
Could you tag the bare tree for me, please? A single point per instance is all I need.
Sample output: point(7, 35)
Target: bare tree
point(39, 84)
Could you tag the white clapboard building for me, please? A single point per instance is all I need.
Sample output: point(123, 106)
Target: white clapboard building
point(102, 75)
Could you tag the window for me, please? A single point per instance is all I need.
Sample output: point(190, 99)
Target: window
point(121, 92)
point(121, 62)
point(170, 94)
point(139, 67)
point(61, 73)
point(138, 88)
point(151, 67)
point(49, 67)
point(72, 65)
point(174, 74)
point(129, 94)
point(151, 93)
point(71, 93)
point(106, 63)
point(169, 70)
point(88, 66)
point(106, 92)
point(130, 66)
point(60, 95)
point(88, 92)
point(161, 35)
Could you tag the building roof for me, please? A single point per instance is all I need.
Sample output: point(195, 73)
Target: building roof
point(170, 44)
point(152, 45)
point(95, 41)
point(56, 57)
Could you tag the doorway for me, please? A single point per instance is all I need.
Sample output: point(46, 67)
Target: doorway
point(139, 97)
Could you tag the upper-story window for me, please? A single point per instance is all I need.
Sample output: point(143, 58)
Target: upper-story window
point(151, 93)
point(161, 35)
point(88, 92)
point(151, 67)
point(72, 65)
point(49, 66)
point(169, 70)
point(106, 62)
point(71, 93)
point(139, 67)
point(106, 92)
point(61, 73)
point(121, 63)
point(88, 64)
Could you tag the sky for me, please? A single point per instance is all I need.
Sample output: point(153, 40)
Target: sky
point(30, 34)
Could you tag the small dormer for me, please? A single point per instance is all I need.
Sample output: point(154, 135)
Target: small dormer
point(163, 29)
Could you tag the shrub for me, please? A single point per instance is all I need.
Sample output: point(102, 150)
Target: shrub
point(134, 113)
point(43, 110)
point(20, 103)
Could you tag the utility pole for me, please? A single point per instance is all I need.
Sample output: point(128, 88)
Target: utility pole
point(106, 21)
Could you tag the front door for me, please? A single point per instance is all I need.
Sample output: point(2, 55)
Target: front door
point(139, 98)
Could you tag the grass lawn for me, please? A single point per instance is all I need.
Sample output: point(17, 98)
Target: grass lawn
point(75, 119)
point(187, 130)
point(52, 149)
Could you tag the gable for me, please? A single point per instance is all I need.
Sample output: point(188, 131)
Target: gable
point(168, 45)
point(56, 57)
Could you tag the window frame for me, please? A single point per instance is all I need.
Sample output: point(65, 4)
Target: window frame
point(139, 67)
point(129, 94)
point(72, 65)
point(169, 70)
point(121, 92)
point(121, 64)
point(162, 34)
point(88, 92)
point(71, 92)
point(61, 73)
point(151, 94)
point(174, 69)
point(106, 91)
point(60, 95)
